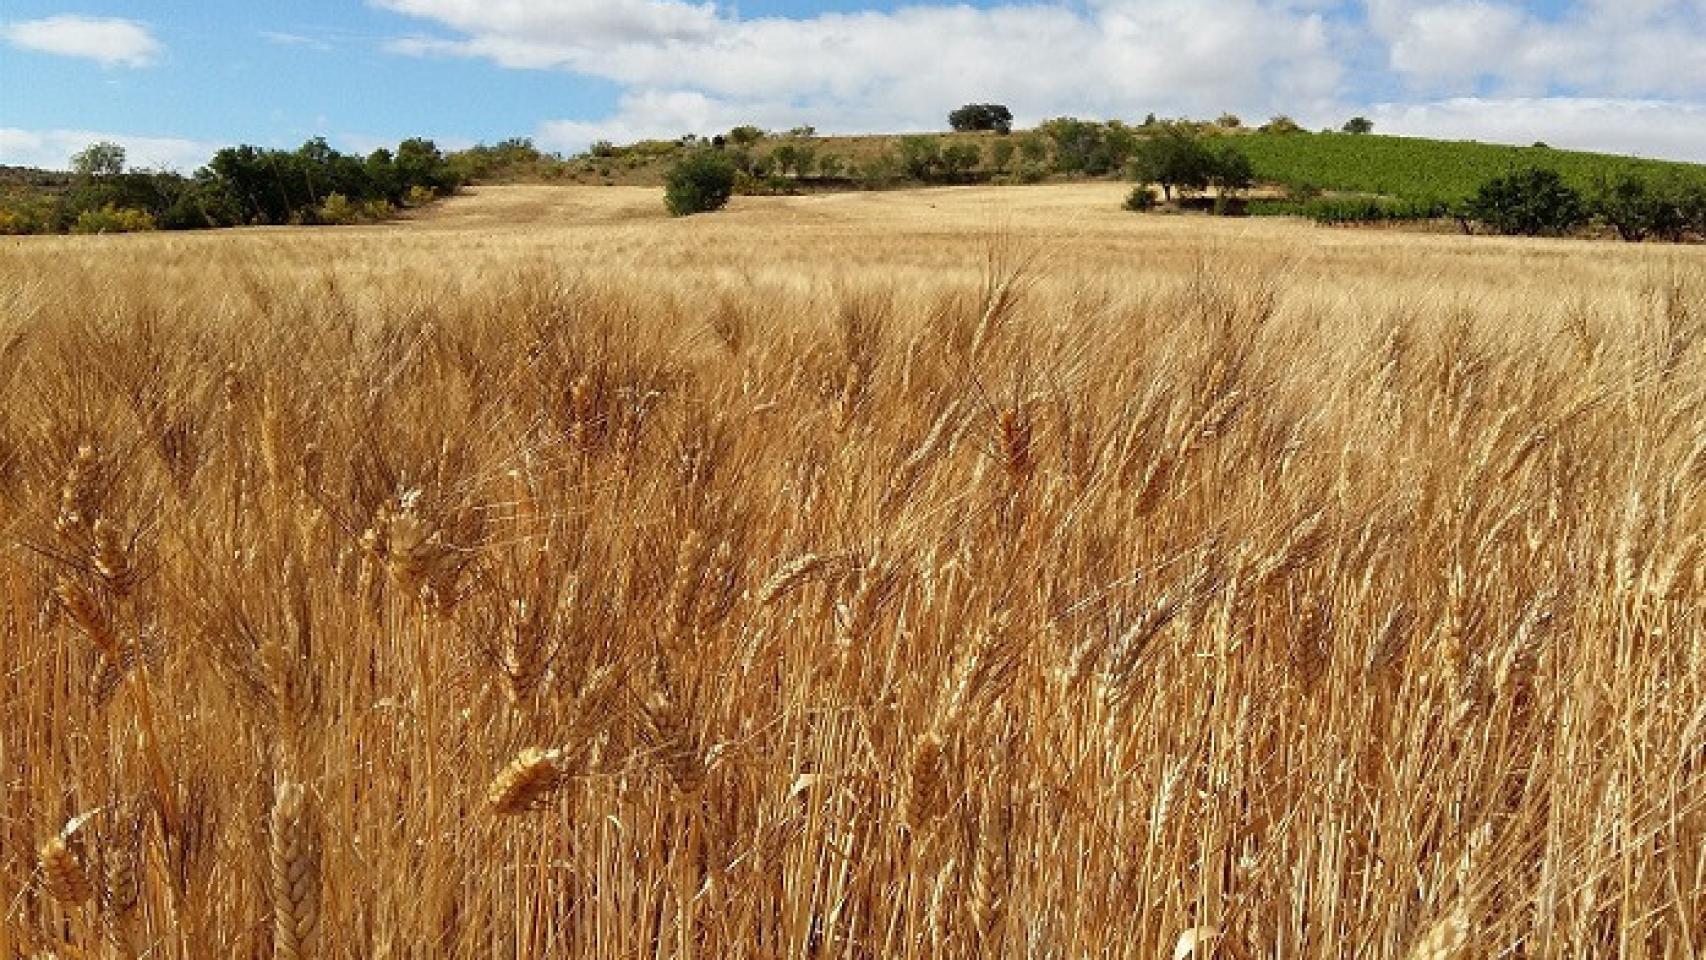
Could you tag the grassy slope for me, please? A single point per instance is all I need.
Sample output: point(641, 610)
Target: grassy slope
point(1436, 169)
point(1398, 166)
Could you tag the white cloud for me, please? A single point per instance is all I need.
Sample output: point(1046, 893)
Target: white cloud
point(109, 41)
point(1625, 75)
point(686, 68)
point(1651, 128)
point(52, 149)
point(568, 22)
point(286, 39)
point(1593, 48)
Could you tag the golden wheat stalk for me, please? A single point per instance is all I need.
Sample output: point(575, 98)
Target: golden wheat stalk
point(294, 855)
point(527, 782)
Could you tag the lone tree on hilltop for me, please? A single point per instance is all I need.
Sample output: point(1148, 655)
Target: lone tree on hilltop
point(1359, 125)
point(101, 159)
point(982, 116)
point(698, 183)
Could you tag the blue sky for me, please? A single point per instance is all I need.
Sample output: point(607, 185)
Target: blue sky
point(172, 80)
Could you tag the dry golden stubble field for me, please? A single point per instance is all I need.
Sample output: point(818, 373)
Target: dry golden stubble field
point(952, 573)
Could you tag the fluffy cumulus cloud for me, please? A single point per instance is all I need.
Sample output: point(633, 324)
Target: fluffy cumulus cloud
point(686, 66)
point(1618, 74)
point(109, 41)
point(1589, 48)
point(52, 149)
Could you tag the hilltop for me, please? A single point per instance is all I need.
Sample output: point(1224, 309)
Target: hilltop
point(1373, 164)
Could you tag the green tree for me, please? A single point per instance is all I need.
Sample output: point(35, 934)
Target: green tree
point(1282, 124)
point(100, 159)
point(1529, 202)
point(699, 182)
point(1230, 173)
point(1033, 149)
point(1079, 146)
point(745, 135)
point(1001, 154)
point(796, 158)
point(982, 116)
point(920, 156)
point(1176, 160)
point(960, 159)
point(1630, 206)
point(1359, 125)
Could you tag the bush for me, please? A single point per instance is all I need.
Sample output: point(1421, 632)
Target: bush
point(745, 135)
point(27, 214)
point(1141, 199)
point(698, 183)
point(111, 219)
point(1282, 124)
point(1351, 210)
point(960, 159)
point(880, 169)
point(339, 210)
point(419, 196)
point(1090, 148)
point(1530, 202)
point(920, 156)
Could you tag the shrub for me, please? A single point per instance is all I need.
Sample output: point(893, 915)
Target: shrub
point(1351, 210)
point(1083, 147)
point(338, 209)
point(1031, 173)
point(1282, 124)
point(27, 214)
point(1033, 148)
point(920, 156)
point(745, 135)
point(111, 219)
point(797, 158)
point(420, 196)
point(1530, 202)
point(880, 169)
point(699, 182)
point(1141, 199)
point(960, 159)
point(1229, 121)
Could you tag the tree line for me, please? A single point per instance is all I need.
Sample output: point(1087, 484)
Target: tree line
point(242, 185)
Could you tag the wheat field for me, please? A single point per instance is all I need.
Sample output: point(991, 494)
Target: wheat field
point(957, 573)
